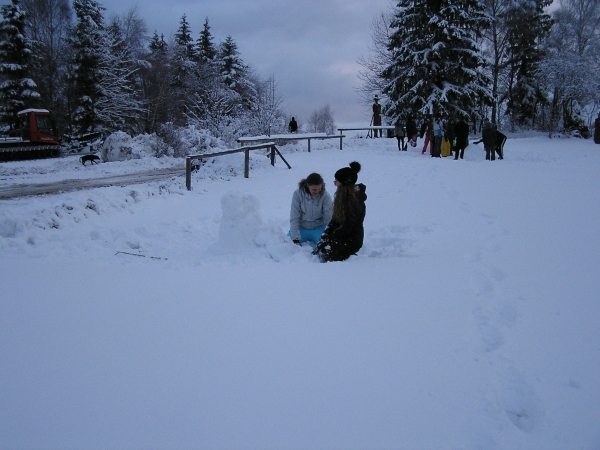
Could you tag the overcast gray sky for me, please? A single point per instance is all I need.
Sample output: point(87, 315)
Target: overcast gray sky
point(310, 46)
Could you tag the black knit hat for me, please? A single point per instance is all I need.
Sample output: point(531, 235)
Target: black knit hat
point(348, 175)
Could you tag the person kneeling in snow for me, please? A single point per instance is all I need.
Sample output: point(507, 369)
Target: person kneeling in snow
point(344, 235)
point(311, 210)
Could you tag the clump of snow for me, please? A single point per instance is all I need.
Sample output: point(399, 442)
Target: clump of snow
point(8, 228)
point(190, 140)
point(241, 221)
point(150, 145)
point(243, 230)
point(119, 147)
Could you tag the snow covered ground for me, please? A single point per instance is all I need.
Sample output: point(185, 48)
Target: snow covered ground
point(147, 316)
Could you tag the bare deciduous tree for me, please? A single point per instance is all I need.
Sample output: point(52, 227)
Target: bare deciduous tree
point(379, 58)
point(321, 120)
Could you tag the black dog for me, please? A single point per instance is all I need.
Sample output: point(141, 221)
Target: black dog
point(92, 158)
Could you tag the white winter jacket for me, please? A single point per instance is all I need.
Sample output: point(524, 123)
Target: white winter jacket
point(309, 211)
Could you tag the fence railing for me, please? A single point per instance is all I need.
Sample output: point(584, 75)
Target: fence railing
point(246, 150)
point(292, 137)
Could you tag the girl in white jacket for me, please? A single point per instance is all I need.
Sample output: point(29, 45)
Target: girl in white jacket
point(311, 210)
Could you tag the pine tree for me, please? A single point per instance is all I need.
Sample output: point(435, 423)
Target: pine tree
point(527, 25)
point(235, 75)
point(184, 41)
point(17, 89)
point(206, 48)
point(157, 44)
point(183, 73)
point(436, 60)
point(87, 40)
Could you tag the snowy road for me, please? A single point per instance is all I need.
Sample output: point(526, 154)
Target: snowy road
point(24, 190)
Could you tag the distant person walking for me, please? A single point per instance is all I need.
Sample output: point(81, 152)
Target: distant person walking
point(597, 130)
point(377, 116)
point(293, 125)
point(400, 134)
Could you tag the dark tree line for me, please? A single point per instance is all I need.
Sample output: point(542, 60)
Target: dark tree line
point(509, 60)
point(101, 75)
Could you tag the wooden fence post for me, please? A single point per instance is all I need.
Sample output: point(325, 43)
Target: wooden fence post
point(246, 163)
point(188, 173)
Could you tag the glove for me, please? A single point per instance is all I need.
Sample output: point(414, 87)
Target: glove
point(297, 241)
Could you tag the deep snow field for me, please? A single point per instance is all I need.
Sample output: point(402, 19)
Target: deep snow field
point(148, 316)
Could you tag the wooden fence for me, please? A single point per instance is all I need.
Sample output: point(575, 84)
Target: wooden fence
point(246, 150)
point(291, 137)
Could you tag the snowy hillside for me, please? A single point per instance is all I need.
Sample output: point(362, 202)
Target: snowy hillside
point(148, 316)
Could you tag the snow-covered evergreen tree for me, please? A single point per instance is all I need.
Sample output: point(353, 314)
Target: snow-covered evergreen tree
point(205, 46)
point(235, 74)
point(527, 25)
point(17, 89)
point(184, 72)
point(87, 41)
point(437, 63)
point(157, 44)
point(119, 105)
point(184, 41)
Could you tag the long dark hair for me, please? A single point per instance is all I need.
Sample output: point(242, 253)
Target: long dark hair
point(346, 204)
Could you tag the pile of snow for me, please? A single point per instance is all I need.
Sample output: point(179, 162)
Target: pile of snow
point(119, 147)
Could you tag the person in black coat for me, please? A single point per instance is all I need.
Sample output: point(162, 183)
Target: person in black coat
point(411, 131)
point(400, 134)
point(345, 233)
point(461, 130)
point(377, 117)
point(500, 140)
point(488, 135)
